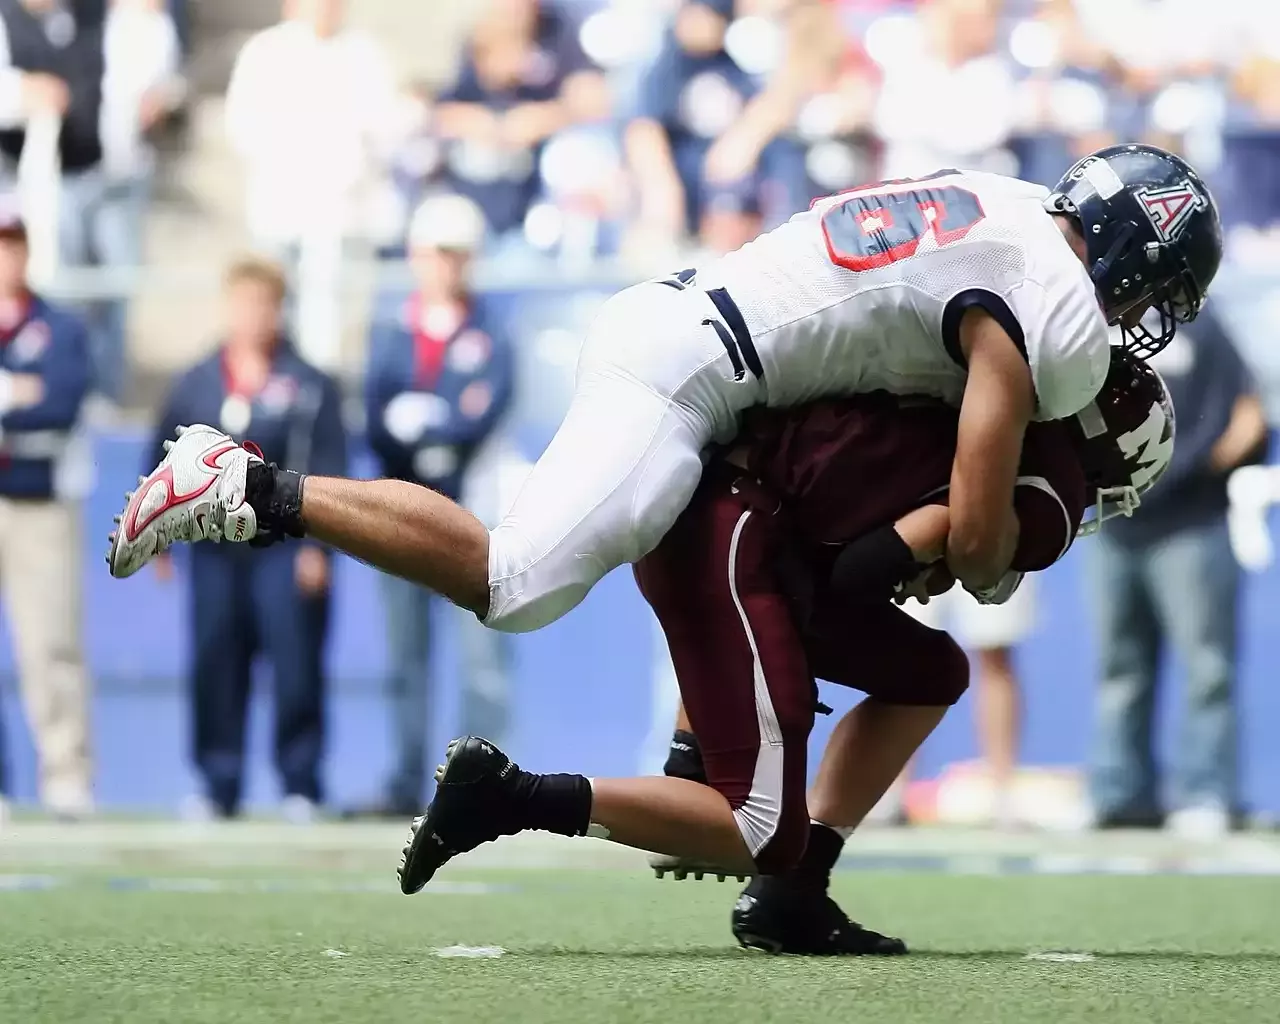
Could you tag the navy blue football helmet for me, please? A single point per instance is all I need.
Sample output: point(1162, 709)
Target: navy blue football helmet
point(1152, 235)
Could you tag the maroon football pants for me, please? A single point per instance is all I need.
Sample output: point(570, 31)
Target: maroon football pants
point(747, 670)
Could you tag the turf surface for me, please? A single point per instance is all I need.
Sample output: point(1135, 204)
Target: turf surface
point(243, 945)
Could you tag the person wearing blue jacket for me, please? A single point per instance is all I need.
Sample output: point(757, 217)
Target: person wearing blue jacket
point(438, 382)
point(44, 472)
point(244, 603)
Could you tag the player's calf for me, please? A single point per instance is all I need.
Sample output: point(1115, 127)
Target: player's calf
point(772, 825)
point(684, 761)
point(482, 795)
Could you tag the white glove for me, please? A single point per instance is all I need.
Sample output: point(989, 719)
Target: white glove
point(412, 412)
point(1000, 592)
point(1251, 491)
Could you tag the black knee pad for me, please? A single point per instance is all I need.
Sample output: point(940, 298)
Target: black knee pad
point(948, 676)
point(684, 760)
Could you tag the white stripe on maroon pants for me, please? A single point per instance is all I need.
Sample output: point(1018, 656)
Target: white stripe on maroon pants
point(759, 817)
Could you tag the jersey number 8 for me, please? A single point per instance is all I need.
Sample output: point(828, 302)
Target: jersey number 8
point(873, 230)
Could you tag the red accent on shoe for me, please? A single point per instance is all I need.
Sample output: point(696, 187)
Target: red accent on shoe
point(132, 528)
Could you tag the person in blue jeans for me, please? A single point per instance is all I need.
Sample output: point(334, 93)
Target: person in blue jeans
point(1167, 578)
point(438, 382)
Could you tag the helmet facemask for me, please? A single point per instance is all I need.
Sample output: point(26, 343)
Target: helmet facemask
point(1175, 300)
point(1109, 503)
point(1123, 453)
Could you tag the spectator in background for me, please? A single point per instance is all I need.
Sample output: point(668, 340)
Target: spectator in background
point(705, 148)
point(1168, 576)
point(991, 633)
point(438, 382)
point(415, 166)
point(947, 93)
point(142, 87)
point(836, 82)
point(275, 602)
point(109, 84)
point(313, 111)
point(180, 11)
point(1065, 97)
point(693, 95)
point(523, 78)
point(44, 374)
point(1248, 180)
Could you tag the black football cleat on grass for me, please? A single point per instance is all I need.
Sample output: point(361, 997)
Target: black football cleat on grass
point(777, 917)
point(474, 804)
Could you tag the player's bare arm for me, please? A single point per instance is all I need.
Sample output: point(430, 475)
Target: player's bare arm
point(998, 403)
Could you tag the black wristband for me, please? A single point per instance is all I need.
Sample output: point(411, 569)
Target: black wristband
point(872, 567)
point(275, 495)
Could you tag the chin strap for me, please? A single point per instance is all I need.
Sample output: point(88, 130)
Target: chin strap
point(1102, 267)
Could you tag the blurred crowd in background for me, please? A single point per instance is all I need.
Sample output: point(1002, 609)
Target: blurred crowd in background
point(571, 138)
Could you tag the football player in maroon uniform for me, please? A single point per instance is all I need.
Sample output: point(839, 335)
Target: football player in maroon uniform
point(780, 571)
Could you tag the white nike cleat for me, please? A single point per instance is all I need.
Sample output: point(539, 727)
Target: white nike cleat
point(196, 493)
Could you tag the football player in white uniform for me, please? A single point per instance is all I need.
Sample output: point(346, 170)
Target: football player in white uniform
point(988, 292)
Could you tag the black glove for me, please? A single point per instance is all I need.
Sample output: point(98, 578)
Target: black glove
point(275, 495)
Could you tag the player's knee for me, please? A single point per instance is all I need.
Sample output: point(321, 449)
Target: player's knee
point(775, 825)
point(949, 677)
point(786, 846)
point(529, 589)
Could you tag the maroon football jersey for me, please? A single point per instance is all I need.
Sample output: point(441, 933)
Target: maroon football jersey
point(845, 467)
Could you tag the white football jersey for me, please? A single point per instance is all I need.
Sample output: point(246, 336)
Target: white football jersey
point(865, 291)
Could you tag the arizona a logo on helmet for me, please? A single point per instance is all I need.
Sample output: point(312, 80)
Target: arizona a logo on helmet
point(1171, 206)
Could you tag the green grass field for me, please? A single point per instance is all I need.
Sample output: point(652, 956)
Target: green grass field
point(256, 926)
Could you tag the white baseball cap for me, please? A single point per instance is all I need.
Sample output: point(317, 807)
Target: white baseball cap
point(447, 221)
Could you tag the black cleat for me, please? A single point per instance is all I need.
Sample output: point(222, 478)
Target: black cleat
point(778, 917)
point(474, 801)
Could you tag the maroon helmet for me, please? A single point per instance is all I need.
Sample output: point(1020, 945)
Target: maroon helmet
point(1124, 438)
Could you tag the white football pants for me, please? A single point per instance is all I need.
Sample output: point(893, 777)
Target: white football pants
point(655, 385)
